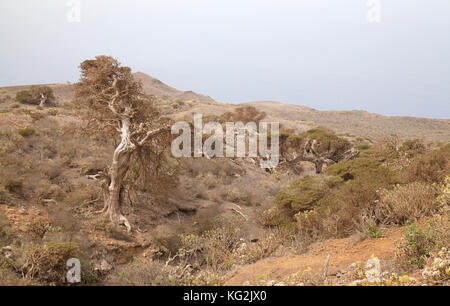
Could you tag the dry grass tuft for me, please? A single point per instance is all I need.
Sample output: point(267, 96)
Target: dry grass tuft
point(411, 201)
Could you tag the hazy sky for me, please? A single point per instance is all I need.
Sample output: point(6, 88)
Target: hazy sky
point(321, 53)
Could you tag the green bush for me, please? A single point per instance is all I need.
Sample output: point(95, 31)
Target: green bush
point(304, 194)
point(328, 142)
point(362, 168)
point(243, 114)
point(417, 244)
point(33, 95)
point(373, 230)
point(380, 152)
point(26, 132)
point(413, 147)
point(25, 97)
point(344, 208)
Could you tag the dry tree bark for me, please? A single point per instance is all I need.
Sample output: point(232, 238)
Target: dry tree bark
point(43, 100)
point(311, 154)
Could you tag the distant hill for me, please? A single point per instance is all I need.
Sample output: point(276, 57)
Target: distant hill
point(159, 89)
point(301, 118)
point(62, 90)
point(151, 86)
point(359, 123)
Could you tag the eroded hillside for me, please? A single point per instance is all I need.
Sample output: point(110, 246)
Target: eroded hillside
point(205, 219)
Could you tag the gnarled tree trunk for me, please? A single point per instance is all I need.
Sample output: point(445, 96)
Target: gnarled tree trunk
point(115, 101)
point(310, 154)
point(118, 170)
point(43, 100)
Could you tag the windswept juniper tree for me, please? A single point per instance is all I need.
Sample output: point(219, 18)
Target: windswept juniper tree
point(37, 95)
point(116, 103)
point(43, 94)
point(318, 146)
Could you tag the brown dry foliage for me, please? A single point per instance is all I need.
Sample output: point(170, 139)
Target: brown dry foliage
point(243, 114)
point(411, 201)
point(431, 167)
point(47, 262)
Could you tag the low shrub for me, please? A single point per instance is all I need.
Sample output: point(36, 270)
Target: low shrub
point(351, 169)
point(373, 230)
point(251, 252)
point(276, 216)
point(220, 242)
point(215, 248)
point(25, 97)
point(416, 245)
point(47, 262)
point(243, 114)
point(345, 209)
point(411, 148)
point(304, 194)
point(237, 195)
point(432, 167)
point(153, 273)
point(410, 201)
point(26, 132)
point(166, 238)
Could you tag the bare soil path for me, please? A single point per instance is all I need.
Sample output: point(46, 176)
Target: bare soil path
point(345, 251)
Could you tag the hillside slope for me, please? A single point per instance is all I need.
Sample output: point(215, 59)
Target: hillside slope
point(161, 90)
point(218, 208)
point(151, 86)
point(354, 123)
point(360, 123)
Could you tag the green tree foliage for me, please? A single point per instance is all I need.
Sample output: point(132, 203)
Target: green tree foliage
point(329, 145)
point(336, 206)
point(35, 95)
point(413, 147)
point(25, 97)
point(359, 168)
point(304, 194)
point(243, 114)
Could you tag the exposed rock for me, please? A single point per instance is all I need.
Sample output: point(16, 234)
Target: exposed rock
point(103, 266)
point(373, 270)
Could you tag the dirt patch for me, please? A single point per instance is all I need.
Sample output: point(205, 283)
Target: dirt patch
point(345, 251)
